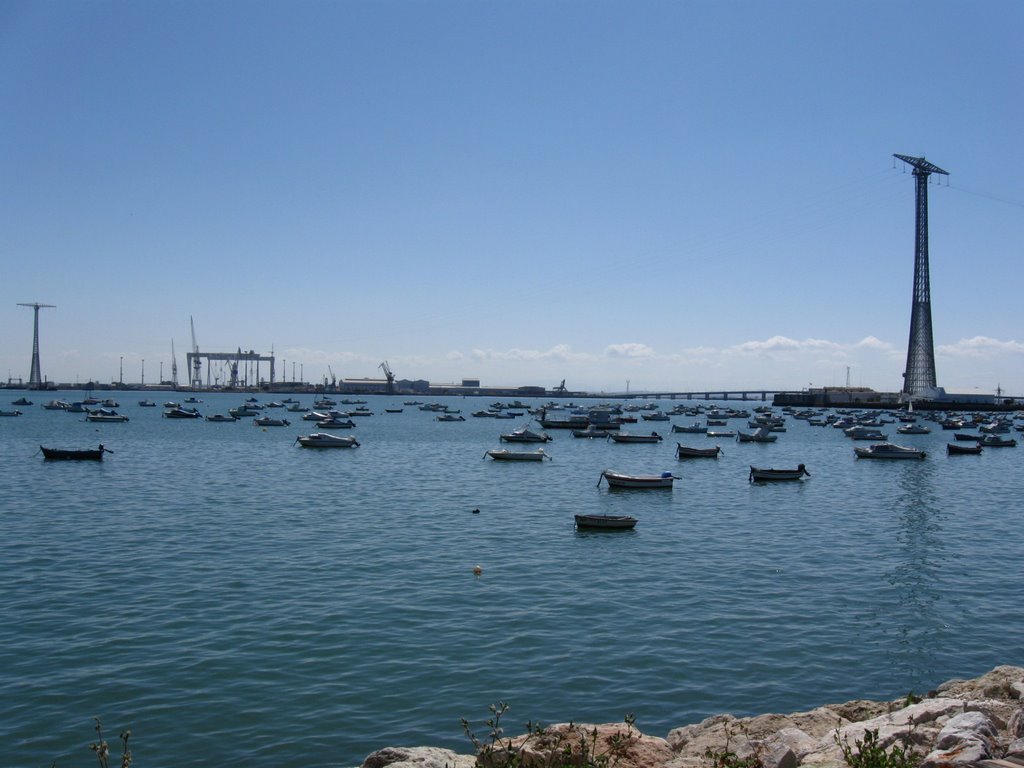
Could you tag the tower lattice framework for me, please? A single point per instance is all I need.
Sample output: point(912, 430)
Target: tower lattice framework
point(35, 377)
point(919, 376)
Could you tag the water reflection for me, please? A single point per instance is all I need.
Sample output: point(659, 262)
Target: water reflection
point(917, 575)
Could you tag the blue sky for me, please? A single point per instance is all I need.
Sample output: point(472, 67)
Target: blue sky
point(682, 195)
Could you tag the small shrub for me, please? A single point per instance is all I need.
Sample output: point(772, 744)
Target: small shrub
point(102, 749)
point(574, 748)
point(868, 753)
point(726, 758)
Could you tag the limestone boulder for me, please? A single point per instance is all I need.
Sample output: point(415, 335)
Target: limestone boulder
point(1004, 683)
point(417, 757)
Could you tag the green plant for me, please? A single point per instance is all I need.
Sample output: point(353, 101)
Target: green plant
point(726, 758)
point(540, 747)
point(869, 753)
point(102, 749)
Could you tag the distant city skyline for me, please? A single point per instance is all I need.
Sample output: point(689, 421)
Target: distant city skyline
point(675, 195)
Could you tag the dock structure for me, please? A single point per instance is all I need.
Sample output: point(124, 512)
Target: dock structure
point(239, 368)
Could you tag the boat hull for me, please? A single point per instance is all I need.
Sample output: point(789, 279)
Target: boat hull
point(60, 454)
point(606, 522)
point(506, 455)
point(618, 480)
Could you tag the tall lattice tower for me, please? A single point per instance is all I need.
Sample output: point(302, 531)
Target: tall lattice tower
point(919, 377)
point(35, 378)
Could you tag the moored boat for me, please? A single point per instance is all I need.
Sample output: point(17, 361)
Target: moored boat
point(525, 435)
point(693, 429)
point(995, 441)
point(760, 435)
point(766, 475)
point(182, 413)
point(606, 522)
point(269, 421)
point(504, 454)
point(324, 440)
point(62, 454)
point(962, 450)
point(105, 416)
point(624, 437)
point(336, 423)
point(220, 417)
point(620, 480)
point(888, 451)
point(15, 412)
point(686, 452)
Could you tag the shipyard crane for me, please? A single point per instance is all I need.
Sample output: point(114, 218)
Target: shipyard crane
point(334, 381)
point(560, 389)
point(174, 367)
point(197, 380)
point(389, 376)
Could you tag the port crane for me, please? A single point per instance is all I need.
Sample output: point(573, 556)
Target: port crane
point(197, 379)
point(560, 389)
point(389, 376)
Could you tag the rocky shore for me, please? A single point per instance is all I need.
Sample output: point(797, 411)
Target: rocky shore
point(960, 722)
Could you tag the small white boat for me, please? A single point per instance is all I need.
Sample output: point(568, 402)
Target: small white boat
point(525, 435)
point(761, 435)
point(504, 454)
point(220, 417)
point(181, 413)
point(888, 451)
point(693, 429)
point(269, 421)
point(590, 431)
point(324, 440)
point(606, 522)
point(147, 404)
point(336, 423)
point(913, 429)
point(103, 415)
point(862, 432)
point(619, 480)
point(763, 475)
point(995, 441)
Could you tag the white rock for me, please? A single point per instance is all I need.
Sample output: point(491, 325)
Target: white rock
point(417, 757)
point(967, 728)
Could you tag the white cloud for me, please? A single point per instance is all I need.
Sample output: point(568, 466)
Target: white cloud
point(870, 342)
point(559, 352)
point(980, 346)
point(781, 344)
point(629, 350)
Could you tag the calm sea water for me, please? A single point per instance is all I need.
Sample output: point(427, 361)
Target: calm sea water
point(237, 600)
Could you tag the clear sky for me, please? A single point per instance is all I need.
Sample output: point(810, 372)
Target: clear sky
point(681, 195)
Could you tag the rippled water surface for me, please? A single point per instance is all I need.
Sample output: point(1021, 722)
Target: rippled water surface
point(238, 600)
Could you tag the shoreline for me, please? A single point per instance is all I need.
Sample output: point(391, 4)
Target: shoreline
point(978, 722)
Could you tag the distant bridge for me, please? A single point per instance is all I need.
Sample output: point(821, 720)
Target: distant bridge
point(713, 394)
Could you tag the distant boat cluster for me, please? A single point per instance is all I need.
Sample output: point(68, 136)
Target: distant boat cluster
point(607, 421)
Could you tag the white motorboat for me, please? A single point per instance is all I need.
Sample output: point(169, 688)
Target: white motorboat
point(888, 451)
point(504, 454)
point(325, 440)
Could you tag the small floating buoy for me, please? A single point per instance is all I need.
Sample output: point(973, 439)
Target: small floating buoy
point(477, 570)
